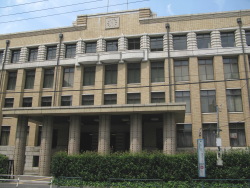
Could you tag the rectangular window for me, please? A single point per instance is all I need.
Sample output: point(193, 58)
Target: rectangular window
point(48, 79)
point(133, 98)
point(206, 69)
point(5, 134)
point(11, 81)
point(1, 57)
point(209, 132)
point(66, 100)
point(51, 52)
point(181, 70)
point(237, 134)
point(183, 97)
point(54, 138)
point(157, 72)
point(39, 137)
point(46, 101)
point(70, 51)
point(68, 76)
point(29, 80)
point(8, 102)
point(184, 135)
point(203, 40)
point(157, 97)
point(33, 52)
point(248, 38)
point(112, 45)
point(208, 101)
point(180, 42)
point(88, 100)
point(90, 47)
point(231, 70)
point(134, 73)
point(227, 39)
point(134, 43)
point(110, 99)
point(35, 161)
point(234, 101)
point(89, 76)
point(111, 74)
point(15, 56)
point(27, 102)
point(156, 44)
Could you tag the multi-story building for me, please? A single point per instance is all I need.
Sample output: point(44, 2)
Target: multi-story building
point(125, 81)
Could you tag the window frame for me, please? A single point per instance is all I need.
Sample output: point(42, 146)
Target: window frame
point(12, 77)
point(89, 99)
point(133, 73)
point(236, 128)
point(51, 52)
point(207, 97)
point(70, 50)
point(247, 34)
point(4, 140)
point(206, 65)
point(27, 102)
point(156, 43)
point(110, 99)
point(156, 70)
point(133, 98)
point(66, 100)
point(48, 78)
point(8, 102)
point(180, 42)
point(211, 132)
point(232, 99)
point(134, 43)
point(15, 56)
point(29, 77)
point(203, 40)
point(184, 98)
point(112, 45)
point(45, 103)
point(1, 56)
point(183, 136)
point(226, 39)
point(183, 65)
point(158, 97)
point(231, 67)
point(111, 71)
point(68, 76)
point(33, 54)
point(89, 75)
point(90, 47)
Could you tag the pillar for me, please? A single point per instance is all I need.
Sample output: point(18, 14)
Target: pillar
point(135, 133)
point(169, 134)
point(104, 134)
point(74, 135)
point(20, 145)
point(46, 146)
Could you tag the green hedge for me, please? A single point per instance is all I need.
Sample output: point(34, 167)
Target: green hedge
point(3, 164)
point(179, 167)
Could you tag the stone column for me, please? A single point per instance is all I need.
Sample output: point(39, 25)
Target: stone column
point(169, 134)
point(215, 39)
point(46, 146)
point(24, 55)
point(20, 145)
point(41, 53)
point(145, 42)
point(238, 38)
point(101, 45)
point(104, 134)
point(135, 133)
point(165, 42)
point(191, 41)
point(80, 47)
point(74, 134)
point(122, 43)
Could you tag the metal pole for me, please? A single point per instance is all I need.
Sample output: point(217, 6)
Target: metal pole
point(169, 64)
point(218, 139)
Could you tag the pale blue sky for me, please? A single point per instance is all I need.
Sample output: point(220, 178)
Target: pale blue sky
point(160, 7)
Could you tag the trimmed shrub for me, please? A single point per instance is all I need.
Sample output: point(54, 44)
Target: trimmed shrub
point(3, 164)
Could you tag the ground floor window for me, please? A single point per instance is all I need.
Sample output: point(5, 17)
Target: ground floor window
point(209, 132)
point(237, 134)
point(35, 161)
point(5, 134)
point(184, 135)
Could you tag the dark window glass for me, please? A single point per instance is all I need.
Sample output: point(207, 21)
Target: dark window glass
point(227, 39)
point(181, 70)
point(203, 41)
point(208, 101)
point(209, 132)
point(51, 52)
point(35, 161)
point(183, 97)
point(206, 69)
point(134, 44)
point(157, 97)
point(157, 72)
point(89, 76)
point(133, 98)
point(180, 42)
point(88, 100)
point(5, 134)
point(48, 79)
point(70, 51)
point(15, 56)
point(231, 70)
point(68, 77)
point(66, 100)
point(39, 137)
point(33, 52)
point(1, 57)
point(54, 138)
point(9, 102)
point(46, 101)
point(156, 44)
point(234, 101)
point(90, 47)
point(30, 78)
point(110, 99)
point(27, 102)
point(237, 134)
point(11, 81)
point(111, 74)
point(248, 37)
point(184, 135)
point(112, 45)
point(134, 73)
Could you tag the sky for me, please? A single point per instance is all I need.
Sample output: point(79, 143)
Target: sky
point(27, 15)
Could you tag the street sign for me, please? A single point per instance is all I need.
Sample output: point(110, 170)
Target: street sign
point(201, 158)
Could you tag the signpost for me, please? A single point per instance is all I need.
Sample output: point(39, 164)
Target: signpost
point(201, 158)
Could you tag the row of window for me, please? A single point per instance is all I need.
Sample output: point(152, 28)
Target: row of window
point(208, 100)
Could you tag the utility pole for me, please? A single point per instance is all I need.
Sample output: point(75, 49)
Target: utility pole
point(218, 139)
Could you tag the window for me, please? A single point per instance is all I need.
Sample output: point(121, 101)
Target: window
point(68, 77)
point(183, 97)
point(70, 51)
point(30, 78)
point(133, 98)
point(90, 47)
point(5, 134)
point(112, 45)
point(184, 135)
point(8, 102)
point(231, 70)
point(134, 44)
point(208, 101)
point(248, 37)
point(234, 102)
point(66, 100)
point(206, 70)
point(11, 81)
point(88, 100)
point(209, 132)
point(157, 72)
point(39, 137)
point(51, 52)
point(157, 97)
point(237, 134)
point(227, 39)
point(180, 42)
point(111, 74)
point(89, 76)
point(27, 101)
point(48, 79)
point(15, 55)
point(46, 101)
point(1, 57)
point(156, 44)
point(181, 70)
point(110, 99)
point(203, 40)
point(134, 73)
point(33, 52)
point(35, 161)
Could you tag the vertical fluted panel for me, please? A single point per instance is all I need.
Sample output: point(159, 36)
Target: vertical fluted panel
point(191, 41)
point(104, 134)
point(74, 135)
point(169, 134)
point(41, 53)
point(145, 40)
point(135, 133)
point(215, 39)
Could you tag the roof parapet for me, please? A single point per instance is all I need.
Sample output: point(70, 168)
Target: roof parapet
point(145, 13)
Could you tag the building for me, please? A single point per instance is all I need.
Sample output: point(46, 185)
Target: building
point(124, 81)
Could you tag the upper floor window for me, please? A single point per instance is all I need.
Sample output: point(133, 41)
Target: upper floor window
point(29, 80)
point(206, 70)
point(111, 74)
point(184, 135)
point(208, 101)
point(209, 133)
point(11, 80)
point(111, 45)
point(5, 134)
point(1, 57)
point(66, 100)
point(51, 52)
point(46, 101)
point(48, 79)
point(237, 134)
point(203, 40)
point(181, 70)
point(231, 70)
point(89, 75)
point(133, 98)
point(15, 56)
point(180, 42)
point(183, 97)
point(156, 44)
point(227, 39)
point(134, 73)
point(27, 101)
point(33, 52)
point(70, 51)
point(248, 37)
point(157, 97)
point(234, 101)
point(133, 43)
point(90, 47)
point(157, 72)
point(87, 99)
point(68, 76)
point(9, 102)
point(110, 99)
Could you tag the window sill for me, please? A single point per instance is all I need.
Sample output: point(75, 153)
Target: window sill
point(235, 112)
point(208, 112)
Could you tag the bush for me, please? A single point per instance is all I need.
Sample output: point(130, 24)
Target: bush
point(3, 164)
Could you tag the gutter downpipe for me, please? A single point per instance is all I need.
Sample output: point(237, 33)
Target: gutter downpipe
point(169, 64)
